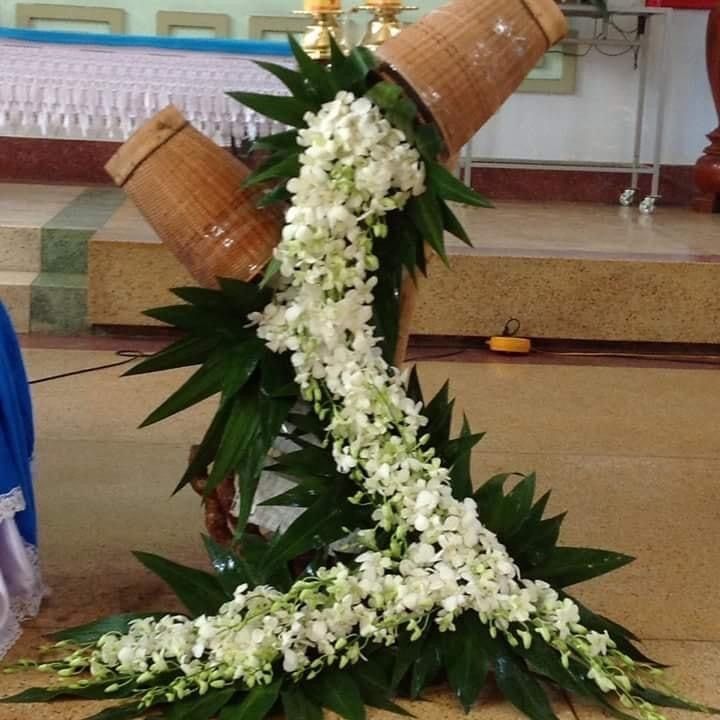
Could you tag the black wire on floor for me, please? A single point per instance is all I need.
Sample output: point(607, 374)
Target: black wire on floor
point(129, 355)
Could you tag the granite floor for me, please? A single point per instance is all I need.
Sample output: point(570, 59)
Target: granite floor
point(631, 452)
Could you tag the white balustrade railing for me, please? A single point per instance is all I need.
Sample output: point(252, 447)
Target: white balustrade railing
point(104, 93)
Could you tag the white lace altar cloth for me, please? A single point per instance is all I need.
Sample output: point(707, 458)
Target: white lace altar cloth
point(21, 588)
point(104, 93)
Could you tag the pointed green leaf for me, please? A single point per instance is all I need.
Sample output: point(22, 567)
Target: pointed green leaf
point(414, 390)
point(91, 632)
point(45, 695)
point(202, 384)
point(428, 142)
point(451, 188)
point(256, 704)
point(338, 692)
point(319, 78)
point(321, 524)
point(453, 225)
point(246, 297)
point(202, 297)
point(460, 455)
point(231, 569)
point(466, 660)
point(208, 447)
point(122, 712)
point(570, 565)
point(428, 665)
point(191, 318)
point(516, 506)
point(183, 353)
point(278, 375)
point(279, 194)
point(407, 652)
point(662, 699)
point(308, 423)
point(291, 79)
point(521, 689)
point(287, 166)
point(200, 592)
point(294, 497)
point(286, 110)
point(371, 679)
point(426, 214)
point(201, 708)
point(533, 545)
point(285, 141)
point(298, 706)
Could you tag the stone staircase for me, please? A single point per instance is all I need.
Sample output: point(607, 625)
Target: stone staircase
point(72, 259)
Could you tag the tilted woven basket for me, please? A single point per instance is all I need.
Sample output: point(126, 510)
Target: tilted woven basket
point(190, 190)
point(463, 60)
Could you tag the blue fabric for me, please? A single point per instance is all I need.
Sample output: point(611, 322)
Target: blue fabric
point(237, 47)
point(17, 437)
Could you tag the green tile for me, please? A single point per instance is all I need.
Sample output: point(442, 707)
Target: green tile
point(88, 211)
point(58, 303)
point(64, 250)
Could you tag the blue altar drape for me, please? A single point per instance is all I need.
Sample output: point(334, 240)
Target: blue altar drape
point(17, 437)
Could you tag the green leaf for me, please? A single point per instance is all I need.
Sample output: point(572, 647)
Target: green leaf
point(534, 544)
point(364, 60)
point(314, 72)
point(521, 689)
point(407, 652)
point(202, 384)
point(240, 438)
point(200, 592)
point(451, 188)
point(279, 194)
point(291, 79)
point(414, 390)
point(371, 679)
point(321, 524)
point(202, 297)
point(208, 447)
point(91, 632)
point(294, 497)
point(256, 704)
point(231, 569)
point(466, 660)
point(386, 307)
point(246, 297)
point(201, 708)
point(395, 105)
point(428, 142)
point(183, 353)
point(284, 141)
point(288, 166)
point(426, 214)
point(570, 565)
point(298, 706)
point(45, 695)
point(461, 453)
point(672, 701)
point(453, 225)
point(122, 712)
point(308, 423)
point(516, 506)
point(428, 665)
point(286, 110)
point(278, 375)
point(338, 692)
point(439, 414)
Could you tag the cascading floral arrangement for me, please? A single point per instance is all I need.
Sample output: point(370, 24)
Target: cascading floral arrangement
point(410, 575)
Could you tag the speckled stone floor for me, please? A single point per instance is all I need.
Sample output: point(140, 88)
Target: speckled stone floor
point(631, 451)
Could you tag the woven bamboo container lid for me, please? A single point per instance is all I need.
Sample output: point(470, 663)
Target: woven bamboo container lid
point(463, 60)
point(190, 190)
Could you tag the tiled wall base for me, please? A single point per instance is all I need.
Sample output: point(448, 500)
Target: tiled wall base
point(15, 288)
point(58, 303)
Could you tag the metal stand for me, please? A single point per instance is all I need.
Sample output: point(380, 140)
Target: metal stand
point(636, 168)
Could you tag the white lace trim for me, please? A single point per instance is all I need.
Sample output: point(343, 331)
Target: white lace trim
point(11, 503)
point(25, 605)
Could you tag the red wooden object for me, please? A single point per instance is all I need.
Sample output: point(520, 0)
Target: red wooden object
point(707, 168)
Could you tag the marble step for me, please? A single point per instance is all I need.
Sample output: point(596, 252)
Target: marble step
point(563, 270)
point(15, 295)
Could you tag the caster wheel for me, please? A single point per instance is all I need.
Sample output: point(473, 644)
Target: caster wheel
point(647, 206)
point(627, 197)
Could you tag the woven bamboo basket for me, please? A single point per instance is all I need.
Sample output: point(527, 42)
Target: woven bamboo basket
point(190, 190)
point(463, 60)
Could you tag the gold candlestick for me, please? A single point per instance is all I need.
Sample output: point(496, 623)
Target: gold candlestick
point(322, 27)
point(385, 22)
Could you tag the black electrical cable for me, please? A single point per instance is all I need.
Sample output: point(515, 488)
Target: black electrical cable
point(129, 356)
